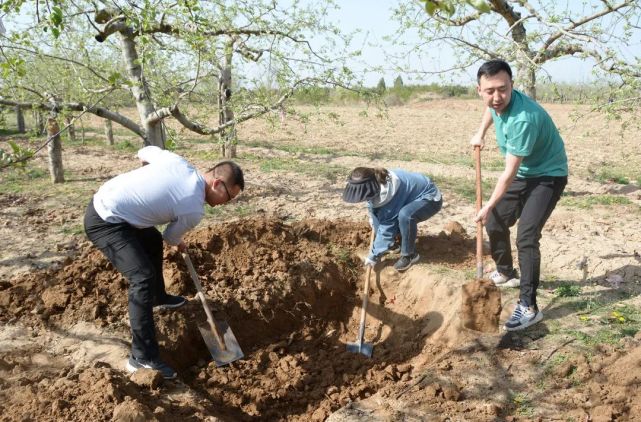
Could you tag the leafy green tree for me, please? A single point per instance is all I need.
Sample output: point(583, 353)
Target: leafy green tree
point(380, 87)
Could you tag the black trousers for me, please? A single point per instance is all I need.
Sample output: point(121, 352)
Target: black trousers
point(137, 254)
point(530, 201)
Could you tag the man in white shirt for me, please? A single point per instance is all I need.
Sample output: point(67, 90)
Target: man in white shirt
point(120, 221)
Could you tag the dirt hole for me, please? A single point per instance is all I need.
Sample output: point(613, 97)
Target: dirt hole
point(291, 295)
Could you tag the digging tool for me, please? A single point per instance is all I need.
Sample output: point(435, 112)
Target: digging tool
point(480, 299)
point(479, 224)
point(219, 338)
point(360, 346)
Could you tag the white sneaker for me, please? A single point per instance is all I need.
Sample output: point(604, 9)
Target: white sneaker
point(502, 280)
point(523, 317)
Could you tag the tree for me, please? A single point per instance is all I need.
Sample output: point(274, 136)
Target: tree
point(172, 53)
point(527, 34)
point(380, 87)
point(398, 82)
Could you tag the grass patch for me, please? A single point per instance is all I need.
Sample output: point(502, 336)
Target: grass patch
point(328, 171)
point(16, 180)
point(567, 290)
point(298, 149)
point(587, 202)
point(609, 324)
point(126, 146)
point(523, 405)
point(608, 174)
point(228, 211)
point(463, 187)
point(74, 229)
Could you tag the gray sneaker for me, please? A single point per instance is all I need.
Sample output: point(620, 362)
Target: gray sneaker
point(406, 261)
point(523, 317)
point(165, 370)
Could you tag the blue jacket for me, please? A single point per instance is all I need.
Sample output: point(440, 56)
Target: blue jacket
point(411, 187)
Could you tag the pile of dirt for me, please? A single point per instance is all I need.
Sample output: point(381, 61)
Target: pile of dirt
point(288, 291)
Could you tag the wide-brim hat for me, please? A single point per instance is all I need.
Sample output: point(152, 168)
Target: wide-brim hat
point(361, 189)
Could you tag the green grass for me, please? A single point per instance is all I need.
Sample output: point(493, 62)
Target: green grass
point(328, 171)
point(16, 180)
point(228, 210)
point(463, 187)
point(609, 324)
point(608, 174)
point(297, 149)
point(127, 146)
point(523, 405)
point(588, 202)
point(567, 290)
point(73, 229)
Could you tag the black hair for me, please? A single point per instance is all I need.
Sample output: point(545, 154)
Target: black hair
point(493, 67)
point(236, 173)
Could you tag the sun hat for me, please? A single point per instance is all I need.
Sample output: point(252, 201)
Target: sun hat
point(360, 189)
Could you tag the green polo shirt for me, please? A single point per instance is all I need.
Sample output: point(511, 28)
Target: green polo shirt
point(525, 129)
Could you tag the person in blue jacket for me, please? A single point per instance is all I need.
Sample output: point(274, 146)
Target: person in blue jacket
point(397, 200)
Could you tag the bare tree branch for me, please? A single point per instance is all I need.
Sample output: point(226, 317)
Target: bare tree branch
point(93, 109)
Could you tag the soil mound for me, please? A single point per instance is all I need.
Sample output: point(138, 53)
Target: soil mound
point(290, 293)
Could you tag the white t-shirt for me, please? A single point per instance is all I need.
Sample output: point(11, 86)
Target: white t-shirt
point(167, 190)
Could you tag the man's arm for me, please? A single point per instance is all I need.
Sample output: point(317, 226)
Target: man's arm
point(512, 164)
point(479, 136)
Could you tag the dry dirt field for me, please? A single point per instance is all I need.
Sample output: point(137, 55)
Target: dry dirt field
point(281, 264)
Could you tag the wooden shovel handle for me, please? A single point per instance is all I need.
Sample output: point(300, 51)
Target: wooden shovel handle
point(479, 205)
point(199, 288)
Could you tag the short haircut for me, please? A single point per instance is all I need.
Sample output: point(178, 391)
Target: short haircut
point(233, 175)
point(493, 67)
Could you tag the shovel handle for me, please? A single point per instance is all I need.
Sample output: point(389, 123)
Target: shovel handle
point(479, 205)
point(203, 300)
point(361, 330)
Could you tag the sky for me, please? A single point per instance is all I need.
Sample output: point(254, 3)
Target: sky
point(373, 18)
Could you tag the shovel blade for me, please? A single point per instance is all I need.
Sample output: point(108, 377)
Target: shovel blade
point(232, 350)
point(363, 348)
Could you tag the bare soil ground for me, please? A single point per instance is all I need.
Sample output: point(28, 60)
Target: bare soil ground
point(282, 266)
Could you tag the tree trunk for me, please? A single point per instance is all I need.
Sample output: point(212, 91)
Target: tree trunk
point(226, 114)
point(54, 147)
point(71, 128)
point(40, 123)
point(529, 82)
point(20, 120)
point(141, 92)
point(109, 133)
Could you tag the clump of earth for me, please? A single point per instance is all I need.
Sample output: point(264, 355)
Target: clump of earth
point(290, 293)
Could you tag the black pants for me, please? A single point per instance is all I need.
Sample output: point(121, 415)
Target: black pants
point(137, 254)
point(530, 201)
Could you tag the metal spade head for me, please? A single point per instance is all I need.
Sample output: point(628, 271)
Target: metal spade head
point(221, 356)
point(360, 347)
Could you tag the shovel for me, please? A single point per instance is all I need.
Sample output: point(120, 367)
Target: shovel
point(479, 224)
point(219, 338)
point(481, 299)
point(361, 347)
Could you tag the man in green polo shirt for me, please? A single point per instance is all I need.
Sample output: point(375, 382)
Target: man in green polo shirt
point(535, 174)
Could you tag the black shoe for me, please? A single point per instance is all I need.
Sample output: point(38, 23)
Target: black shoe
point(165, 370)
point(171, 302)
point(394, 249)
point(406, 261)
